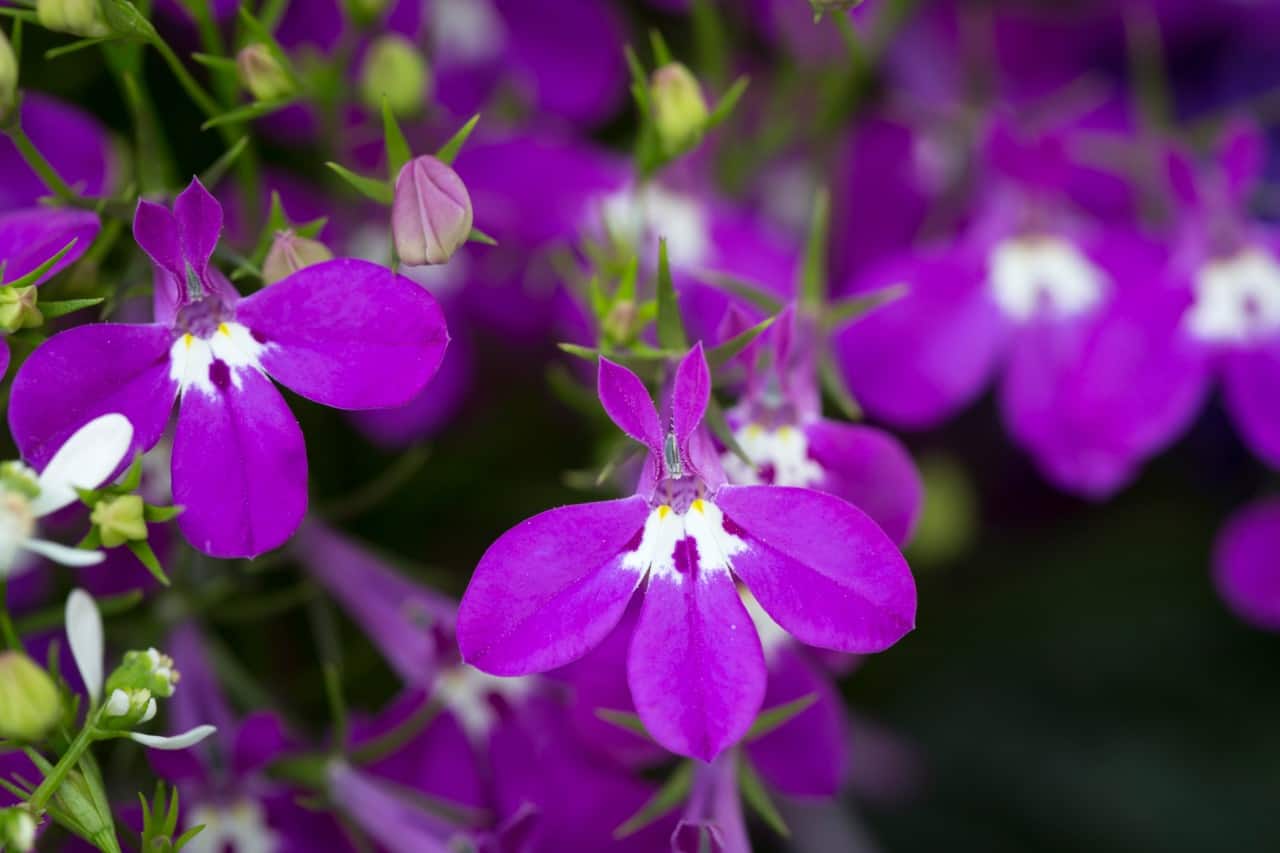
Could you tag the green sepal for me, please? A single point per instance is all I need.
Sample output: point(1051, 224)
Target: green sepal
point(853, 307)
point(160, 514)
point(720, 354)
point(248, 112)
point(478, 236)
point(211, 176)
point(127, 21)
point(40, 271)
point(142, 550)
point(751, 292)
point(728, 102)
point(719, 425)
point(833, 383)
point(813, 276)
point(668, 797)
point(52, 310)
point(774, 718)
point(371, 188)
point(755, 796)
point(624, 720)
point(397, 147)
point(448, 152)
point(671, 333)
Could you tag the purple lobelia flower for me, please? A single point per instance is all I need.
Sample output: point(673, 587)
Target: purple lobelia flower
point(779, 425)
point(553, 587)
point(1245, 569)
point(344, 333)
point(1094, 372)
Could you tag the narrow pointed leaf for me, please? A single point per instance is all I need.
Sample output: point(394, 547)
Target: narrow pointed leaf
point(377, 190)
point(669, 797)
point(623, 720)
point(854, 307)
point(720, 354)
point(218, 170)
point(725, 106)
point(50, 310)
point(63, 50)
point(478, 236)
point(813, 277)
point(661, 53)
point(779, 715)
point(39, 272)
point(834, 385)
point(671, 334)
point(448, 152)
point(161, 514)
point(719, 425)
point(752, 292)
point(755, 795)
point(146, 556)
point(248, 112)
point(398, 151)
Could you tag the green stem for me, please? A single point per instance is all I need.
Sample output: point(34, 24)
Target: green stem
point(40, 165)
point(41, 796)
point(193, 89)
point(10, 636)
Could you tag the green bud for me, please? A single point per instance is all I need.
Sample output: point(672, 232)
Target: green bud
point(18, 479)
point(395, 68)
point(127, 707)
point(17, 830)
point(620, 323)
point(290, 253)
point(8, 78)
point(679, 110)
point(148, 671)
point(262, 74)
point(29, 702)
point(18, 309)
point(78, 17)
point(366, 11)
point(119, 520)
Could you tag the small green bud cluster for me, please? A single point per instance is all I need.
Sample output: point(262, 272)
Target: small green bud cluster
point(119, 520)
point(19, 309)
point(17, 830)
point(133, 688)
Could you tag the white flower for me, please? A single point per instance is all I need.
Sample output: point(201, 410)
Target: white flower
point(85, 461)
point(84, 635)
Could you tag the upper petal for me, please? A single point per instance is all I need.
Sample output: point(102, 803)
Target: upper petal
point(552, 587)
point(1251, 385)
point(199, 218)
point(627, 403)
point(88, 371)
point(85, 461)
point(696, 668)
point(1245, 569)
point(156, 230)
point(870, 469)
point(690, 395)
point(28, 238)
point(239, 466)
point(348, 334)
point(820, 567)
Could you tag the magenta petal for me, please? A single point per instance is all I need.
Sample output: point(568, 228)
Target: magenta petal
point(820, 567)
point(1245, 567)
point(88, 371)
point(1251, 384)
point(199, 219)
point(690, 395)
point(239, 467)
point(259, 741)
point(696, 668)
point(870, 469)
point(1242, 152)
point(627, 403)
point(552, 587)
point(808, 756)
point(28, 238)
point(156, 230)
point(348, 334)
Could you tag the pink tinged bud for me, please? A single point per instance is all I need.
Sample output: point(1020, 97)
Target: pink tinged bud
point(431, 214)
point(261, 73)
point(290, 253)
point(679, 109)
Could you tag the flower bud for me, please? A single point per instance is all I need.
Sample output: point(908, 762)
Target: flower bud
point(119, 520)
point(290, 253)
point(125, 709)
point(140, 672)
point(262, 74)
point(679, 110)
point(394, 68)
point(8, 78)
point(18, 308)
point(17, 830)
point(620, 323)
point(431, 213)
point(29, 701)
point(78, 17)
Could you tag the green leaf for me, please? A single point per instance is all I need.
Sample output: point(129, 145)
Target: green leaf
point(623, 720)
point(755, 795)
point(160, 514)
point(813, 276)
point(668, 797)
point(185, 838)
point(709, 33)
point(142, 550)
point(478, 236)
point(398, 151)
point(217, 63)
point(39, 272)
point(852, 307)
point(720, 354)
point(671, 334)
point(719, 425)
point(627, 281)
point(215, 173)
point(727, 103)
point(448, 152)
point(752, 292)
point(132, 476)
point(248, 112)
point(587, 353)
point(63, 50)
point(50, 310)
point(833, 384)
point(661, 53)
point(377, 190)
point(773, 718)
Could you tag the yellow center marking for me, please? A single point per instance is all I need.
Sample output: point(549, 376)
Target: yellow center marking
point(222, 327)
point(784, 432)
point(696, 505)
point(664, 511)
point(186, 340)
point(754, 430)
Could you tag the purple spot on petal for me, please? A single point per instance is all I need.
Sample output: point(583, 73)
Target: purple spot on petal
point(733, 528)
point(686, 556)
point(258, 336)
point(220, 374)
point(634, 544)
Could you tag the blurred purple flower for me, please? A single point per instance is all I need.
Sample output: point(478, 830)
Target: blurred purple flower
point(1245, 566)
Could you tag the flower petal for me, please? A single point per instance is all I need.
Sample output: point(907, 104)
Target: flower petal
point(348, 334)
point(551, 588)
point(1244, 564)
point(870, 469)
point(696, 667)
point(199, 218)
point(820, 567)
point(1251, 385)
point(84, 635)
point(88, 371)
point(690, 395)
point(28, 238)
point(627, 403)
point(63, 554)
point(85, 461)
point(181, 741)
point(156, 230)
point(239, 467)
